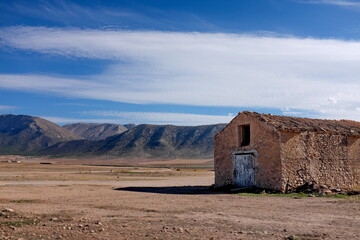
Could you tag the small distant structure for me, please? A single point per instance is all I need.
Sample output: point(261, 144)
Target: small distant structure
point(286, 153)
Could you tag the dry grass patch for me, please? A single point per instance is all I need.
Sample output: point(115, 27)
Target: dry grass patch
point(25, 201)
point(3, 200)
point(353, 199)
point(17, 223)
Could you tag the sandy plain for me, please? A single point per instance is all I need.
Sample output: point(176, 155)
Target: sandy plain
point(153, 199)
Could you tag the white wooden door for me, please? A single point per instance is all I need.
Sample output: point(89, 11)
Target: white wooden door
point(244, 173)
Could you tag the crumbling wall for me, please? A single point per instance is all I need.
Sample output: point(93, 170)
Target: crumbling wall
point(264, 139)
point(354, 161)
point(319, 158)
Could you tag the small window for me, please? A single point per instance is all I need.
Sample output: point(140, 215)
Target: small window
point(244, 135)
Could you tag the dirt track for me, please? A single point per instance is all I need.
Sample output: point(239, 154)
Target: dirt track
point(148, 203)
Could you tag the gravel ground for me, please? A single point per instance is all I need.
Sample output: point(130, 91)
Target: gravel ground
point(151, 203)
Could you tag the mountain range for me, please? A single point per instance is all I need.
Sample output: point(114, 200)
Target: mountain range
point(94, 131)
point(21, 134)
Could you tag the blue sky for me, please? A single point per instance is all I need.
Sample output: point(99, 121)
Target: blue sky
point(183, 62)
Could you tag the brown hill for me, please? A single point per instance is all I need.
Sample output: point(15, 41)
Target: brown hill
point(21, 134)
point(95, 131)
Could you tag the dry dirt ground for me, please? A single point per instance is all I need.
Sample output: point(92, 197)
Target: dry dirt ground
point(67, 200)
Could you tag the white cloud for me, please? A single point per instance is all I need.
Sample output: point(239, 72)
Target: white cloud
point(68, 12)
point(314, 75)
point(144, 117)
point(56, 85)
point(162, 117)
point(343, 3)
point(5, 107)
point(64, 120)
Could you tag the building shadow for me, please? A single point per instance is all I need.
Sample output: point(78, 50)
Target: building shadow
point(191, 190)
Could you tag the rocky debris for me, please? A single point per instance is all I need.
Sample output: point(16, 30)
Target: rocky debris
point(7, 213)
point(11, 161)
point(336, 190)
point(310, 188)
point(313, 189)
point(8, 210)
point(293, 237)
point(245, 232)
point(353, 192)
point(175, 230)
point(85, 225)
point(303, 237)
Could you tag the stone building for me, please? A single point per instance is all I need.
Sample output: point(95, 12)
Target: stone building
point(285, 153)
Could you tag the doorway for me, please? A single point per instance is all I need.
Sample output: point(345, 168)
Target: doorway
point(244, 172)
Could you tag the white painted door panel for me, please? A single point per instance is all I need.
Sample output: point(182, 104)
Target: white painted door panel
point(244, 173)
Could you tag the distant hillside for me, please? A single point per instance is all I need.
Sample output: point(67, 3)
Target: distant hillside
point(21, 134)
point(130, 126)
point(95, 131)
point(165, 141)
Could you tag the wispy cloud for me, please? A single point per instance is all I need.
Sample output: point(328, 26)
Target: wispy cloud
point(317, 75)
point(162, 117)
point(64, 120)
point(5, 107)
point(68, 12)
point(342, 3)
point(95, 14)
point(144, 117)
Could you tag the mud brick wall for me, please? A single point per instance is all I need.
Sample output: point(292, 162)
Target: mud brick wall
point(321, 158)
point(264, 139)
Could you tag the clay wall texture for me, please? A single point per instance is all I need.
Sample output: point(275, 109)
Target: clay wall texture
point(320, 158)
point(292, 151)
point(263, 139)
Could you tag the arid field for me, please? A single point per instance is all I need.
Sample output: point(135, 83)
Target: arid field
point(154, 199)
